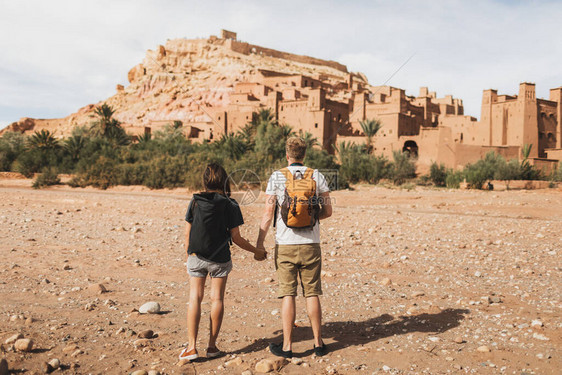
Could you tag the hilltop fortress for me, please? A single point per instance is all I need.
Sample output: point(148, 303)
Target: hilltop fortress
point(213, 85)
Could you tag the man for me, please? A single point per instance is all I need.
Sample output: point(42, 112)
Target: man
point(297, 250)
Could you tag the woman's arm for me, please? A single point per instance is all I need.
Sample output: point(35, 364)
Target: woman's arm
point(187, 232)
point(259, 254)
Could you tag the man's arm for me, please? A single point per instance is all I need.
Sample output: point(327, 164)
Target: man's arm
point(187, 232)
point(267, 218)
point(326, 206)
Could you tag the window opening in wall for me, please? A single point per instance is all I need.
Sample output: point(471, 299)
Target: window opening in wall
point(316, 125)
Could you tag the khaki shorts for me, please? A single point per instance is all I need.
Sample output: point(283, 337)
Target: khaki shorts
point(294, 261)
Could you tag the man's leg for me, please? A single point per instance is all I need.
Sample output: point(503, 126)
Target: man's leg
point(311, 279)
point(287, 273)
point(218, 286)
point(288, 313)
point(314, 311)
point(196, 291)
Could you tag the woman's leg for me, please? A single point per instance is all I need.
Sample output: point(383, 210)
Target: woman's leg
point(196, 291)
point(218, 287)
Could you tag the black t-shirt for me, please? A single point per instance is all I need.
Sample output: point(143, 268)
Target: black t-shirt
point(212, 216)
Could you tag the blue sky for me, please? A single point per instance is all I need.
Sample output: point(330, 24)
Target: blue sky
point(58, 56)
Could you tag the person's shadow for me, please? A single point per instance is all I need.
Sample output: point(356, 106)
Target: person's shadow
point(350, 333)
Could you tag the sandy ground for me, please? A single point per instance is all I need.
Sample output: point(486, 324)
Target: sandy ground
point(424, 281)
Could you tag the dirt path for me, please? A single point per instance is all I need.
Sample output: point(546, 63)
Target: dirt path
point(479, 267)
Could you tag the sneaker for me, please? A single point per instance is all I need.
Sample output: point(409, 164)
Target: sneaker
point(320, 351)
point(189, 355)
point(214, 352)
point(277, 349)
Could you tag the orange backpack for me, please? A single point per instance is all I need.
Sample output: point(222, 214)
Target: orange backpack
point(300, 206)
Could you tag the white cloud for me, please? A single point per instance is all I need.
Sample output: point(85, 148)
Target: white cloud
point(58, 56)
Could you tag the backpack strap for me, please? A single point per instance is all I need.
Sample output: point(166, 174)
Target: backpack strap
point(289, 178)
point(308, 173)
point(287, 173)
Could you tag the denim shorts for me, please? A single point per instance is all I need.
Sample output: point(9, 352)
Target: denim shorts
point(199, 267)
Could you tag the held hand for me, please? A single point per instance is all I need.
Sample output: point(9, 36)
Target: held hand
point(260, 254)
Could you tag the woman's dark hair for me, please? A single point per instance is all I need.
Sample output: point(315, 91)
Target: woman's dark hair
point(216, 179)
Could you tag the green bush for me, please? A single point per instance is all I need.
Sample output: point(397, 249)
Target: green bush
point(483, 170)
point(102, 155)
point(103, 173)
point(35, 159)
point(320, 159)
point(165, 172)
point(454, 179)
point(403, 168)
point(48, 177)
point(380, 168)
point(557, 173)
point(508, 171)
point(529, 172)
point(494, 166)
point(438, 174)
point(475, 177)
point(359, 166)
point(12, 144)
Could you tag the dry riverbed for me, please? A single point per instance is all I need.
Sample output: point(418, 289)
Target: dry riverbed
point(423, 281)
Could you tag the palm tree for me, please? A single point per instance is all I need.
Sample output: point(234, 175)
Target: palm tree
point(287, 131)
point(248, 134)
point(44, 140)
point(144, 138)
point(105, 125)
point(526, 151)
point(264, 115)
point(170, 133)
point(370, 129)
point(73, 145)
point(232, 144)
point(117, 136)
point(309, 139)
point(528, 172)
point(345, 147)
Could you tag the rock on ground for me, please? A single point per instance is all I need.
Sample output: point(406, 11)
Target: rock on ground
point(24, 345)
point(150, 308)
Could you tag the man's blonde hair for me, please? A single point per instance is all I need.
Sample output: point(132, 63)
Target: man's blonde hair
point(296, 148)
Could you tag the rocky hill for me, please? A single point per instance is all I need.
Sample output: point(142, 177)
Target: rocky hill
point(184, 78)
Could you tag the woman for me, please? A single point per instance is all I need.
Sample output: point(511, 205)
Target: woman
point(213, 221)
